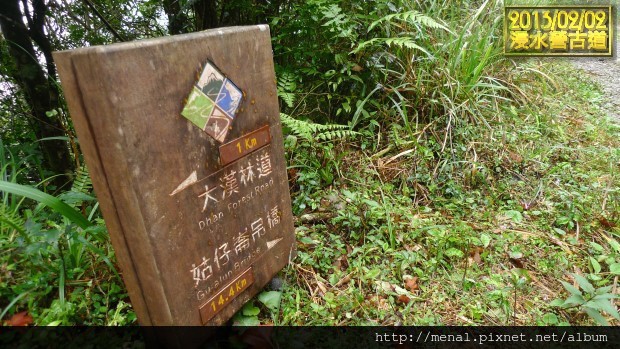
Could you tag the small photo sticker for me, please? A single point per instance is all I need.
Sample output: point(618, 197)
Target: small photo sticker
point(211, 81)
point(213, 103)
point(218, 124)
point(229, 98)
point(198, 108)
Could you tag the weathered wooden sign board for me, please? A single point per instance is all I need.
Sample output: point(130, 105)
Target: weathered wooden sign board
point(194, 191)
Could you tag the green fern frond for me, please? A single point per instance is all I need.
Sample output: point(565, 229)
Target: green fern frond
point(316, 132)
point(331, 135)
point(82, 182)
point(287, 87)
point(81, 190)
point(401, 42)
point(10, 219)
point(287, 97)
point(412, 17)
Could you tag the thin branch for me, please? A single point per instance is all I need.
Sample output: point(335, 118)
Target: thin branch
point(76, 18)
point(27, 12)
point(105, 22)
point(37, 33)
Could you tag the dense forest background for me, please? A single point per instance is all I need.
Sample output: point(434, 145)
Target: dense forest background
point(433, 180)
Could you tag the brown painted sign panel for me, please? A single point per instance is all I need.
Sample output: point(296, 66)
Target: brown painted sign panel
point(184, 224)
point(218, 302)
point(242, 146)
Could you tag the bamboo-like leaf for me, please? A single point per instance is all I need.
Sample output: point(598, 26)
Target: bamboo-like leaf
point(603, 290)
point(596, 315)
point(48, 200)
point(604, 305)
point(615, 268)
point(13, 302)
point(100, 253)
point(573, 301)
point(556, 303)
point(605, 296)
point(62, 138)
point(585, 285)
point(570, 288)
point(595, 265)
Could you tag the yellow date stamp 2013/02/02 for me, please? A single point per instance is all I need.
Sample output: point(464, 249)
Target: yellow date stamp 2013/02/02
point(558, 30)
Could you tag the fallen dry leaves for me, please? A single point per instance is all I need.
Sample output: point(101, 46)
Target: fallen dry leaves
point(19, 319)
point(474, 255)
point(411, 284)
point(403, 299)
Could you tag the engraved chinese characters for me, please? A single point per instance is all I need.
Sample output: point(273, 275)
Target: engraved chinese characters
point(223, 193)
point(197, 229)
point(213, 103)
point(238, 187)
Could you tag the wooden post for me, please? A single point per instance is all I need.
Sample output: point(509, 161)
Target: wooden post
point(199, 225)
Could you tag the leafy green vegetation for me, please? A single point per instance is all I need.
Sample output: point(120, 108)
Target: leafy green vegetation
point(433, 181)
point(491, 234)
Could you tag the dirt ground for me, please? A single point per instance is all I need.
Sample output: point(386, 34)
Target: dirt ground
point(605, 71)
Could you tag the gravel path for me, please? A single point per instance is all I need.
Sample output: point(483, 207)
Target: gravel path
point(607, 73)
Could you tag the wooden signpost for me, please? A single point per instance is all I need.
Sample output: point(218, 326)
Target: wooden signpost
point(183, 141)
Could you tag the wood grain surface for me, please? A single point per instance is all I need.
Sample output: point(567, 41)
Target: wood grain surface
point(183, 226)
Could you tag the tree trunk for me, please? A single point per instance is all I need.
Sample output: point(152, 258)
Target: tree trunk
point(178, 22)
point(40, 92)
point(206, 14)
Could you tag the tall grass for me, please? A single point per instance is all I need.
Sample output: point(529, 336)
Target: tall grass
point(443, 85)
point(51, 259)
point(462, 77)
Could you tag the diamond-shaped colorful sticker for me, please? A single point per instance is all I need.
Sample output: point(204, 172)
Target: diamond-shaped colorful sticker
point(213, 103)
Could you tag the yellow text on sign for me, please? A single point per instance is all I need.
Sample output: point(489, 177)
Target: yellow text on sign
point(579, 30)
point(221, 299)
point(248, 144)
point(547, 20)
point(244, 145)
